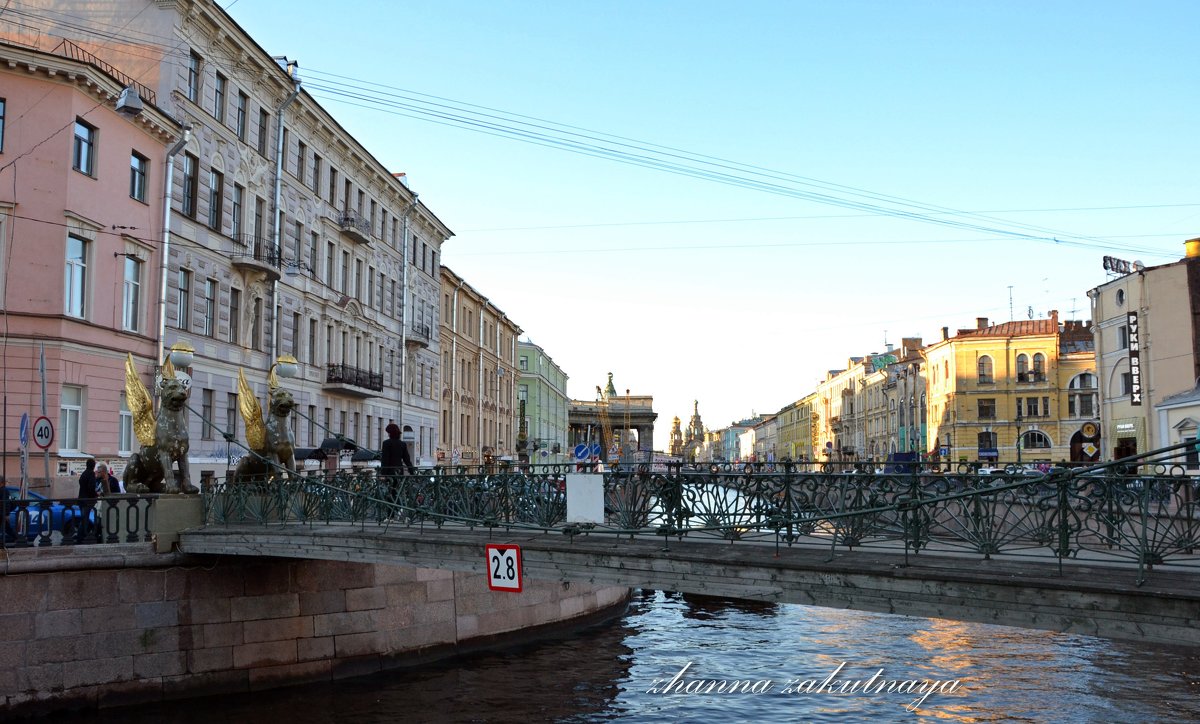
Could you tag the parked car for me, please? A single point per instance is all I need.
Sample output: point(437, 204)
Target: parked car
point(40, 512)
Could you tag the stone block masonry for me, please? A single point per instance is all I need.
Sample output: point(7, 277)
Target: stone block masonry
point(169, 626)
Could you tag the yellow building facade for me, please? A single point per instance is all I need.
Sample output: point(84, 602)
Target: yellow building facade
point(1015, 392)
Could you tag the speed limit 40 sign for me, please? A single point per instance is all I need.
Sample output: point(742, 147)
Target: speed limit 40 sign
point(504, 567)
point(43, 432)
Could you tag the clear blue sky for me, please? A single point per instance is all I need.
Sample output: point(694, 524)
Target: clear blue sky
point(1058, 115)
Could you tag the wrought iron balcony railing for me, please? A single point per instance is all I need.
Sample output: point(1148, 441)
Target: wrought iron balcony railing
point(355, 226)
point(347, 375)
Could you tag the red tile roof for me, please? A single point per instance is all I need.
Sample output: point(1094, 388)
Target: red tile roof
point(1022, 328)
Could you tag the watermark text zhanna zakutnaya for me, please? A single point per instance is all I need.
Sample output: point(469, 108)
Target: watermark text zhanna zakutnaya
point(877, 683)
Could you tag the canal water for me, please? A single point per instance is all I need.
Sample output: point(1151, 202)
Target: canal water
point(677, 658)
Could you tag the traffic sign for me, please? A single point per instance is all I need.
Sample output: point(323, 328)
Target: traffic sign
point(581, 451)
point(504, 567)
point(24, 429)
point(43, 432)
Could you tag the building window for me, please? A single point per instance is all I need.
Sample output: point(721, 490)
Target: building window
point(345, 289)
point(1023, 368)
point(235, 315)
point(301, 161)
point(219, 98)
point(1126, 383)
point(260, 222)
point(1120, 297)
point(216, 197)
point(139, 165)
point(183, 300)
point(985, 370)
point(312, 342)
point(2, 102)
point(75, 283)
point(131, 298)
point(231, 413)
point(1123, 337)
point(314, 243)
point(70, 418)
point(191, 184)
point(124, 428)
point(243, 102)
point(193, 83)
point(315, 180)
point(329, 256)
point(1035, 440)
point(235, 221)
point(987, 410)
point(1081, 396)
point(1039, 367)
point(209, 321)
point(1031, 407)
point(256, 324)
point(83, 158)
point(263, 119)
point(523, 362)
point(206, 415)
point(296, 334)
point(987, 440)
point(333, 182)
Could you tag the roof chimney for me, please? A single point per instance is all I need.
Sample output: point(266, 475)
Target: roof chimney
point(981, 323)
point(945, 333)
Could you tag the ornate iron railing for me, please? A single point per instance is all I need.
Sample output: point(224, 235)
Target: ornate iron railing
point(1140, 511)
point(347, 375)
point(58, 522)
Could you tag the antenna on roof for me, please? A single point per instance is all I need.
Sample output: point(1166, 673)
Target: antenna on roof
point(1010, 307)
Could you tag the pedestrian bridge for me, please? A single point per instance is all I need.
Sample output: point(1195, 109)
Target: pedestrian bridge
point(1108, 551)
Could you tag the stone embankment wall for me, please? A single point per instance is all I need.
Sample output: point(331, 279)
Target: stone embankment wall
point(90, 626)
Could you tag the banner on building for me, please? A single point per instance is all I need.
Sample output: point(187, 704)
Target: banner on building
point(1135, 360)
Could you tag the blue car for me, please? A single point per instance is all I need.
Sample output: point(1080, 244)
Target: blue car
point(40, 514)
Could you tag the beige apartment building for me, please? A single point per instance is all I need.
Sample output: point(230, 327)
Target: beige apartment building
point(1147, 329)
point(479, 376)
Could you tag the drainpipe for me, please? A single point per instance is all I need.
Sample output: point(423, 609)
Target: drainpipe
point(404, 261)
point(292, 67)
point(479, 385)
point(166, 244)
point(454, 382)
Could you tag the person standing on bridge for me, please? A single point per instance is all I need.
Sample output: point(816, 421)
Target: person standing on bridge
point(393, 454)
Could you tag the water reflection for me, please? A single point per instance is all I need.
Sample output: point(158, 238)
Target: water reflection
point(608, 674)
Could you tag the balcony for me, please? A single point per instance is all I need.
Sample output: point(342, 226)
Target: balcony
point(257, 255)
point(355, 226)
point(352, 381)
point(418, 337)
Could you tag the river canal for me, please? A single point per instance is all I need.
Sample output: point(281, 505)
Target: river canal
point(788, 663)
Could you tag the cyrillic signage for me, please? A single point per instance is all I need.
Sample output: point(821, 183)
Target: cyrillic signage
point(1135, 360)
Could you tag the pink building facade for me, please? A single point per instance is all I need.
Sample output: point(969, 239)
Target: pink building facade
point(81, 216)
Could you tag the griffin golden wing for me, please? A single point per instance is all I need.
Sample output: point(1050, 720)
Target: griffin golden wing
point(140, 404)
point(256, 429)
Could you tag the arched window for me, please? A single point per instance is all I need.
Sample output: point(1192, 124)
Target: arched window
point(1023, 368)
point(987, 441)
point(985, 369)
point(1039, 367)
point(1035, 440)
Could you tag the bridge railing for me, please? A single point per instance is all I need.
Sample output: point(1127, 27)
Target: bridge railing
point(36, 521)
point(1140, 511)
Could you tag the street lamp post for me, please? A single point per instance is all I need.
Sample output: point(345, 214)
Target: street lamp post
point(1018, 432)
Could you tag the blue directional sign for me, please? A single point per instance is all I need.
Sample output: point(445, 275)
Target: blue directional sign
point(581, 451)
point(24, 429)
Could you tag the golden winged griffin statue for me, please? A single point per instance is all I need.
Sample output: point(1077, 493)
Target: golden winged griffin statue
point(270, 440)
point(164, 441)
